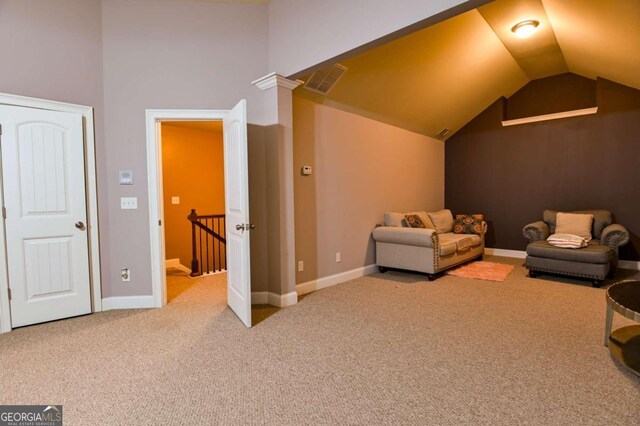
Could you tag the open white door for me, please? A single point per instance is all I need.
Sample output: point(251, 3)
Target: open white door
point(236, 180)
point(43, 179)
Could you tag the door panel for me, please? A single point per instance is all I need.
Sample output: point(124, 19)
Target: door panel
point(44, 194)
point(237, 212)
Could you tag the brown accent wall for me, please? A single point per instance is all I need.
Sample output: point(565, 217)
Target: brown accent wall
point(511, 174)
point(192, 169)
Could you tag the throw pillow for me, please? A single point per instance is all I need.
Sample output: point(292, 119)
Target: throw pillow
point(468, 224)
point(414, 221)
point(442, 220)
point(567, 241)
point(424, 217)
point(575, 224)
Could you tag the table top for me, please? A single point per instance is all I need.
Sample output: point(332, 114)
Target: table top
point(624, 298)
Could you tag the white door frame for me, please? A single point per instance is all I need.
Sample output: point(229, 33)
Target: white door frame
point(156, 198)
point(92, 202)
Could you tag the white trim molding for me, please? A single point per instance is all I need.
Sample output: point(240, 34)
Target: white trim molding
point(154, 179)
point(259, 297)
point(521, 254)
point(175, 263)
point(518, 254)
point(92, 201)
point(547, 117)
point(274, 299)
point(332, 280)
point(273, 80)
point(127, 302)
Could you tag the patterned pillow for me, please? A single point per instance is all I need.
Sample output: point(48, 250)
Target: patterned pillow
point(414, 221)
point(468, 224)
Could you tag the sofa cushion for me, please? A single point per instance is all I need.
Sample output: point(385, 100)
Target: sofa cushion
point(450, 242)
point(468, 224)
point(394, 219)
point(601, 219)
point(594, 252)
point(442, 220)
point(574, 224)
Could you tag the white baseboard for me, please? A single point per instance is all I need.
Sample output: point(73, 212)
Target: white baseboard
point(269, 298)
point(520, 254)
point(127, 302)
point(175, 263)
point(331, 280)
point(259, 297)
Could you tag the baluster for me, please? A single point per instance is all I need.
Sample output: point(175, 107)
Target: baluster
point(206, 236)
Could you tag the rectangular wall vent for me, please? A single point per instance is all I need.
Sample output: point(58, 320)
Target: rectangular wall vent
point(444, 132)
point(322, 81)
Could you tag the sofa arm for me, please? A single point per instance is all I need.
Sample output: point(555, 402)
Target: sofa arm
point(614, 236)
point(408, 236)
point(536, 231)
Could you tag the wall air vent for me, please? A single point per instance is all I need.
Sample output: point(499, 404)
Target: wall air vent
point(444, 132)
point(322, 81)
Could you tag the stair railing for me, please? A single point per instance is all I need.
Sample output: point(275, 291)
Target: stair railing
point(208, 243)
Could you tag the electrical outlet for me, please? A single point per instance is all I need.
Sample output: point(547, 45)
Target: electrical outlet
point(128, 203)
point(125, 274)
point(338, 257)
point(300, 266)
point(175, 200)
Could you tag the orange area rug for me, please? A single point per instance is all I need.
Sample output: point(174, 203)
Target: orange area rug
point(482, 270)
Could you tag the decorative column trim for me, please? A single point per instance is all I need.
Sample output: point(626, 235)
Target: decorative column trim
point(275, 79)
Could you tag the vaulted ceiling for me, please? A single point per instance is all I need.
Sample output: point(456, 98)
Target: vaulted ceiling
point(444, 75)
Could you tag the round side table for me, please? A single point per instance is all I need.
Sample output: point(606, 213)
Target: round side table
point(624, 343)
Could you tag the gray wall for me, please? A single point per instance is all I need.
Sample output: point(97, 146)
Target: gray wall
point(361, 169)
point(53, 50)
point(511, 174)
point(168, 55)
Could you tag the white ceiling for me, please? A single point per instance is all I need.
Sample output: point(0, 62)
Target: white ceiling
point(446, 74)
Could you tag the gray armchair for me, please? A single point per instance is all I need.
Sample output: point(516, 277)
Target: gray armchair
point(596, 261)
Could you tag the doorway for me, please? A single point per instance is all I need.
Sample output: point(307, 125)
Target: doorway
point(194, 202)
point(236, 215)
point(49, 254)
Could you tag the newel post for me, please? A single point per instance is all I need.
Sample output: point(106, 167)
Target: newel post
point(195, 267)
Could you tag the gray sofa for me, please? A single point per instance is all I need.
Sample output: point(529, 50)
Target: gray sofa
point(595, 262)
point(424, 250)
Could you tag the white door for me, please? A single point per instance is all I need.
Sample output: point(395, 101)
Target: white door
point(236, 179)
point(43, 183)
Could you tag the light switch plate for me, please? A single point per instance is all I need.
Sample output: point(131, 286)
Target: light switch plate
point(175, 200)
point(128, 203)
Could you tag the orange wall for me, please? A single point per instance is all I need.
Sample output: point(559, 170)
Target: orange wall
point(193, 169)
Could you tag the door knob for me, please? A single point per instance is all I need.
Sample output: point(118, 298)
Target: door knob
point(240, 227)
point(252, 226)
point(80, 226)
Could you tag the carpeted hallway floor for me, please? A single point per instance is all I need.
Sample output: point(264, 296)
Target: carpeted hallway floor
point(384, 349)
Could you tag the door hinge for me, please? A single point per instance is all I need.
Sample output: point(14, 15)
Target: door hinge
point(9, 293)
point(159, 223)
point(4, 212)
point(0, 129)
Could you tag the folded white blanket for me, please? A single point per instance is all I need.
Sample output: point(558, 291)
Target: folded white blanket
point(567, 241)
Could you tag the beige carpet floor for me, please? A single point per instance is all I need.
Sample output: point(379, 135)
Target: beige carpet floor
point(388, 349)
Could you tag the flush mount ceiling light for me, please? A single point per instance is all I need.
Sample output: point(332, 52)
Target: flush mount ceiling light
point(525, 28)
